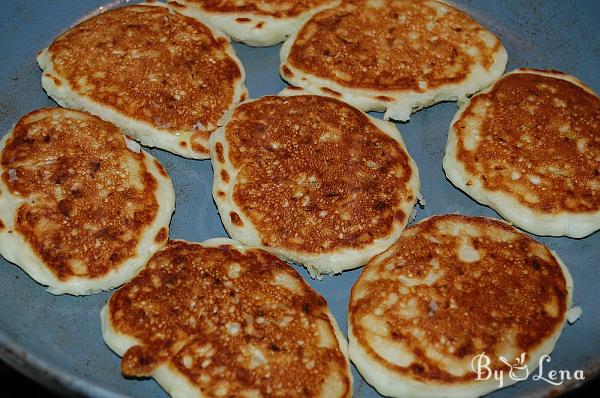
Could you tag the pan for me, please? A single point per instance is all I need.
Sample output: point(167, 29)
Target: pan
point(57, 339)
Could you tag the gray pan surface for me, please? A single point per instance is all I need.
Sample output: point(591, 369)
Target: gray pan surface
point(57, 340)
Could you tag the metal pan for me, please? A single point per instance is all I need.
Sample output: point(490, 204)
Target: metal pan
point(57, 340)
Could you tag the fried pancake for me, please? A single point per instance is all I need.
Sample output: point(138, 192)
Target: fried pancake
point(453, 287)
point(218, 319)
point(312, 179)
point(396, 56)
point(82, 207)
point(164, 78)
point(253, 22)
point(529, 147)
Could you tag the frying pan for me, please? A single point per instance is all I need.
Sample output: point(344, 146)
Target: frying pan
point(57, 340)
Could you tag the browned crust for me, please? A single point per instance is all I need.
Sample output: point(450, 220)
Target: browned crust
point(161, 235)
point(315, 174)
point(219, 150)
point(271, 8)
point(180, 309)
point(329, 91)
point(235, 219)
point(384, 98)
point(152, 65)
point(476, 304)
point(286, 71)
point(533, 125)
point(358, 46)
point(199, 139)
point(56, 81)
point(80, 181)
point(225, 176)
point(160, 168)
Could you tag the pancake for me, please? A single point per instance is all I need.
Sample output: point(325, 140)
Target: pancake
point(529, 147)
point(217, 319)
point(450, 289)
point(396, 56)
point(82, 207)
point(253, 22)
point(164, 78)
point(312, 179)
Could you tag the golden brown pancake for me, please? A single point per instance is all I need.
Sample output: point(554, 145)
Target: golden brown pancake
point(82, 207)
point(396, 56)
point(218, 319)
point(530, 148)
point(312, 179)
point(451, 288)
point(165, 78)
point(253, 22)
point(272, 8)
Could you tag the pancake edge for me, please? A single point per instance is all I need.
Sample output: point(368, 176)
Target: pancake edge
point(147, 134)
point(170, 379)
point(15, 249)
point(403, 102)
point(317, 264)
point(574, 225)
point(390, 384)
point(271, 31)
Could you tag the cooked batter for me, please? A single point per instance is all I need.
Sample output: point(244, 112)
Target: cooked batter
point(253, 22)
point(217, 319)
point(313, 179)
point(82, 207)
point(453, 287)
point(530, 148)
point(396, 56)
point(165, 78)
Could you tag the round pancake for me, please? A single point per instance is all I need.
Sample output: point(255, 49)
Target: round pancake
point(253, 22)
point(164, 78)
point(529, 147)
point(451, 288)
point(396, 56)
point(82, 207)
point(218, 319)
point(312, 179)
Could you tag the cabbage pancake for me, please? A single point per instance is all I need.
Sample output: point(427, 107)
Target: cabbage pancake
point(221, 320)
point(82, 207)
point(396, 56)
point(529, 147)
point(450, 289)
point(253, 22)
point(312, 179)
point(164, 78)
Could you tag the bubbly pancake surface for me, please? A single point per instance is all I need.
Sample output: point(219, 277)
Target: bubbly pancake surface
point(272, 8)
point(314, 175)
point(232, 321)
point(154, 66)
point(84, 198)
point(536, 138)
point(381, 48)
point(449, 289)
